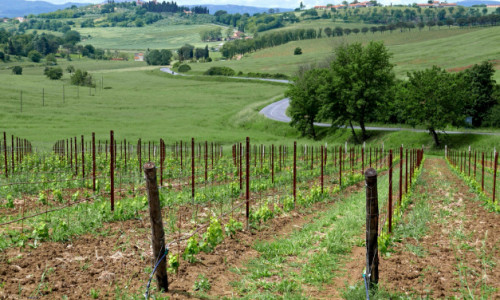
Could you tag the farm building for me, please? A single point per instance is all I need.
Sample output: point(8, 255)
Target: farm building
point(139, 56)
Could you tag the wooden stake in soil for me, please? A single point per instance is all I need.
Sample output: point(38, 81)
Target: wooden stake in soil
point(112, 170)
point(157, 232)
point(390, 191)
point(371, 227)
point(247, 195)
point(495, 165)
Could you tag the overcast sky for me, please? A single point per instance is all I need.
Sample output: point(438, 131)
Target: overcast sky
point(259, 3)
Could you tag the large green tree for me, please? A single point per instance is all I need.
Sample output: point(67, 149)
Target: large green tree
point(360, 84)
point(433, 98)
point(310, 91)
point(480, 86)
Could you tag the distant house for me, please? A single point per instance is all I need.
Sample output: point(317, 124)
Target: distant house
point(493, 6)
point(139, 57)
point(20, 19)
point(188, 12)
point(5, 20)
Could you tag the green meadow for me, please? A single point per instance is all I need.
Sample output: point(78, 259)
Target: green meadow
point(412, 50)
point(141, 38)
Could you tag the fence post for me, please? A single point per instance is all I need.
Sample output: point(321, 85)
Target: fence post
point(272, 163)
point(93, 161)
point(247, 186)
point(321, 169)
point(495, 165)
point(5, 154)
point(294, 173)
point(482, 172)
point(157, 232)
point(112, 168)
point(390, 191)
point(340, 167)
point(192, 168)
point(400, 174)
point(83, 159)
point(371, 227)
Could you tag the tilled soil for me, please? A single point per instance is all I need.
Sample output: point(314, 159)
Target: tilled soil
point(461, 247)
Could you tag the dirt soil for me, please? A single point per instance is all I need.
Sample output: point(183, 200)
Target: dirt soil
point(461, 249)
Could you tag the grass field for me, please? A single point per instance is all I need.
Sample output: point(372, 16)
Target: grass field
point(142, 38)
point(412, 50)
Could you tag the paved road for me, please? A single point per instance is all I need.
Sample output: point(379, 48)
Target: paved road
point(277, 111)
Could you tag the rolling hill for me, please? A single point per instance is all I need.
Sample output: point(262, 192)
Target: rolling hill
point(19, 8)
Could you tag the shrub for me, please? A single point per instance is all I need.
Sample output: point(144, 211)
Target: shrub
point(51, 60)
point(34, 56)
point(176, 64)
point(82, 78)
point(53, 73)
point(17, 70)
point(223, 71)
point(297, 51)
point(184, 68)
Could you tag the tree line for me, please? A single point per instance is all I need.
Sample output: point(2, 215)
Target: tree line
point(359, 86)
point(172, 7)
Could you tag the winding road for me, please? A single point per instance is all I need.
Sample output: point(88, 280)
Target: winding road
point(277, 111)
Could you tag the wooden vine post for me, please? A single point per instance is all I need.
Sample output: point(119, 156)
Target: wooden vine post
point(371, 227)
point(495, 166)
point(247, 187)
point(157, 232)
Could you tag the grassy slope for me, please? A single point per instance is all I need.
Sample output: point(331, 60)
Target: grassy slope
point(140, 104)
point(141, 38)
point(412, 50)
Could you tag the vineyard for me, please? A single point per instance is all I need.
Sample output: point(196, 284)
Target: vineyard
point(75, 218)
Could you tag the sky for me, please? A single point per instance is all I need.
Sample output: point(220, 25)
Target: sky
point(258, 3)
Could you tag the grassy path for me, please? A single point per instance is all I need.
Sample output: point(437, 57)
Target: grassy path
point(449, 245)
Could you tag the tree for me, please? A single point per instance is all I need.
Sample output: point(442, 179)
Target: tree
point(157, 57)
point(34, 56)
point(82, 78)
point(297, 51)
point(70, 69)
point(17, 70)
point(53, 73)
point(361, 79)
point(433, 98)
point(72, 37)
point(51, 59)
point(307, 94)
point(480, 90)
point(185, 52)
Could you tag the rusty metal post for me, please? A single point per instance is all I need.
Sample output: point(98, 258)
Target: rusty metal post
point(93, 161)
point(495, 166)
point(76, 157)
point(5, 154)
point(157, 232)
point(294, 173)
point(12, 154)
point(340, 167)
point(321, 169)
point(406, 172)
point(372, 273)
point(112, 168)
point(192, 169)
point(139, 153)
point(469, 160)
point(247, 187)
point(400, 174)
point(83, 159)
point(482, 172)
point(272, 163)
point(240, 155)
point(206, 161)
point(390, 191)
point(362, 160)
point(475, 163)
point(181, 154)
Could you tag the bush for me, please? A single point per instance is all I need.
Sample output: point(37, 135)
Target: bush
point(82, 78)
point(34, 56)
point(223, 71)
point(176, 64)
point(17, 70)
point(184, 68)
point(51, 60)
point(297, 51)
point(53, 73)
